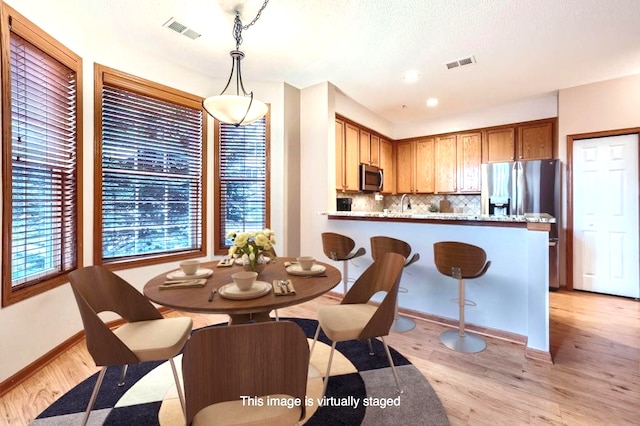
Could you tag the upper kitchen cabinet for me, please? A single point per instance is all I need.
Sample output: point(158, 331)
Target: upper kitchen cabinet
point(415, 166)
point(535, 140)
point(347, 156)
point(469, 159)
point(499, 145)
point(457, 167)
point(369, 148)
point(387, 166)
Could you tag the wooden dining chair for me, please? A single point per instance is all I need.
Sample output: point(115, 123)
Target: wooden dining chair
point(381, 245)
point(354, 318)
point(145, 336)
point(262, 362)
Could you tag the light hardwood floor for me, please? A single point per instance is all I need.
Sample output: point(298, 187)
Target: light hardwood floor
point(595, 378)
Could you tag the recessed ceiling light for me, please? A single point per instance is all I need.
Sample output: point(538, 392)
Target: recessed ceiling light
point(431, 102)
point(411, 76)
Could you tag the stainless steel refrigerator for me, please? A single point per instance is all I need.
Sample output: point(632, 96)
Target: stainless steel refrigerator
point(517, 188)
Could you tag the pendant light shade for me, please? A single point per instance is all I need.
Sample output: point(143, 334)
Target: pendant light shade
point(237, 108)
point(234, 109)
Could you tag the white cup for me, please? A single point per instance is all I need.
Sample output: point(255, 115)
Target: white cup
point(190, 267)
point(244, 279)
point(306, 262)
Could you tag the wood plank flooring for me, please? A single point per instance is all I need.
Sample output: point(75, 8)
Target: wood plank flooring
point(595, 378)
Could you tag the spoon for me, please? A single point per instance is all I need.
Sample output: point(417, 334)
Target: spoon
point(284, 286)
point(213, 293)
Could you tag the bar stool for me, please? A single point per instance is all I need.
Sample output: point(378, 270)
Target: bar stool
point(339, 247)
point(379, 247)
point(461, 261)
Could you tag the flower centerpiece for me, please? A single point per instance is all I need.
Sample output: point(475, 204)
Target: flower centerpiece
point(255, 248)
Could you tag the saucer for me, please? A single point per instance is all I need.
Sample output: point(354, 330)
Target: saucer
point(296, 269)
point(231, 291)
point(179, 274)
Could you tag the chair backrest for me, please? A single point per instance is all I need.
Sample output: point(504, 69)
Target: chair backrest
point(225, 363)
point(470, 259)
point(336, 246)
point(96, 290)
point(381, 245)
point(382, 275)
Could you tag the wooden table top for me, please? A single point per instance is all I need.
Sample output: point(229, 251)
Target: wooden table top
point(196, 299)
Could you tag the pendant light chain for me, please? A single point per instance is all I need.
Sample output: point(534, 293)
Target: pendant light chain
point(238, 27)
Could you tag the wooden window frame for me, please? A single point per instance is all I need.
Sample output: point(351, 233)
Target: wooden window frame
point(219, 247)
point(122, 80)
point(12, 21)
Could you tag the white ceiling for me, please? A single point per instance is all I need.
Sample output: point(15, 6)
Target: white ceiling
point(523, 48)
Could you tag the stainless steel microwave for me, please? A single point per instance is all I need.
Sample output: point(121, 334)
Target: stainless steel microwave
point(371, 178)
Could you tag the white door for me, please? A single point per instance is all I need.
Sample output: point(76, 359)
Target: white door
point(605, 219)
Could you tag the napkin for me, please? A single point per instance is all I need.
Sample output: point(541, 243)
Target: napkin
point(183, 284)
point(279, 290)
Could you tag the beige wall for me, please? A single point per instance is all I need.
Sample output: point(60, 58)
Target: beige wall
point(603, 106)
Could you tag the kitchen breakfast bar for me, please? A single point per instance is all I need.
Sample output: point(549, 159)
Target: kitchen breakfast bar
point(512, 298)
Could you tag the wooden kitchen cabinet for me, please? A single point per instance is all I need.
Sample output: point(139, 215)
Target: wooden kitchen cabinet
point(446, 154)
point(369, 148)
point(415, 166)
point(499, 145)
point(347, 156)
point(469, 160)
point(535, 141)
point(532, 140)
point(387, 166)
point(457, 166)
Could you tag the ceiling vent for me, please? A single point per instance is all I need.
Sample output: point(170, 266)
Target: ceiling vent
point(460, 62)
point(180, 28)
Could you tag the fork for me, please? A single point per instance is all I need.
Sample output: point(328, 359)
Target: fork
point(284, 286)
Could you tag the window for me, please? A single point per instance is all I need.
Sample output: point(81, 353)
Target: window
point(150, 199)
point(41, 140)
point(242, 185)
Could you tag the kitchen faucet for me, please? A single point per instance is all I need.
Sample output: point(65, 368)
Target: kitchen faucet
point(402, 203)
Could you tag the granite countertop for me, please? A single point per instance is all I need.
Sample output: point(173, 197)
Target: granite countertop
point(528, 217)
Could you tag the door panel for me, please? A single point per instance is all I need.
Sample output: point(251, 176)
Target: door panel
point(606, 231)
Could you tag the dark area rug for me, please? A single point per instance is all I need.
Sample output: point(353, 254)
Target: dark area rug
point(365, 391)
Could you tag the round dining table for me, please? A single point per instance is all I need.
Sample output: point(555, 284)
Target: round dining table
point(207, 299)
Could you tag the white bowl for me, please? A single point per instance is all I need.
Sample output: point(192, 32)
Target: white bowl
point(244, 279)
point(306, 262)
point(190, 267)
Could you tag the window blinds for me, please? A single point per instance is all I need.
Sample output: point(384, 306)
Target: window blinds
point(242, 160)
point(151, 175)
point(43, 165)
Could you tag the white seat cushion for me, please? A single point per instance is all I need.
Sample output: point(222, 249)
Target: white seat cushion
point(344, 322)
point(239, 413)
point(155, 340)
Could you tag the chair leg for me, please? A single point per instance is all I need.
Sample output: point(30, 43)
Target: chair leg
point(94, 394)
point(315, 339)
point(277, 317)
point(370, 347)
point(345, 275)
point(178, 387)
point(123, 373)
point(393, 367)
point(326, 377)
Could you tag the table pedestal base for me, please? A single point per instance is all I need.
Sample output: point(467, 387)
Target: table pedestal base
point(235, 319)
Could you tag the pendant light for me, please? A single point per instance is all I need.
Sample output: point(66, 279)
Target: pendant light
point(239, 108)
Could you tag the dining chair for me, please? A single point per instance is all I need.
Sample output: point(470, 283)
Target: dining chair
point(236, 374)
point(381, 245)
point(145, 335)
point(355, 318)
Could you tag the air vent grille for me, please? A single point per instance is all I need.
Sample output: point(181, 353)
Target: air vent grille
point(180, 28)
point(460, 62)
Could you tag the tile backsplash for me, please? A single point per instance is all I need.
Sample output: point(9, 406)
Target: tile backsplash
point(470, 204)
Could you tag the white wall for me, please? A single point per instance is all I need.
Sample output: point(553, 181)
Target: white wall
point(603, 106)
point(33, 327)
